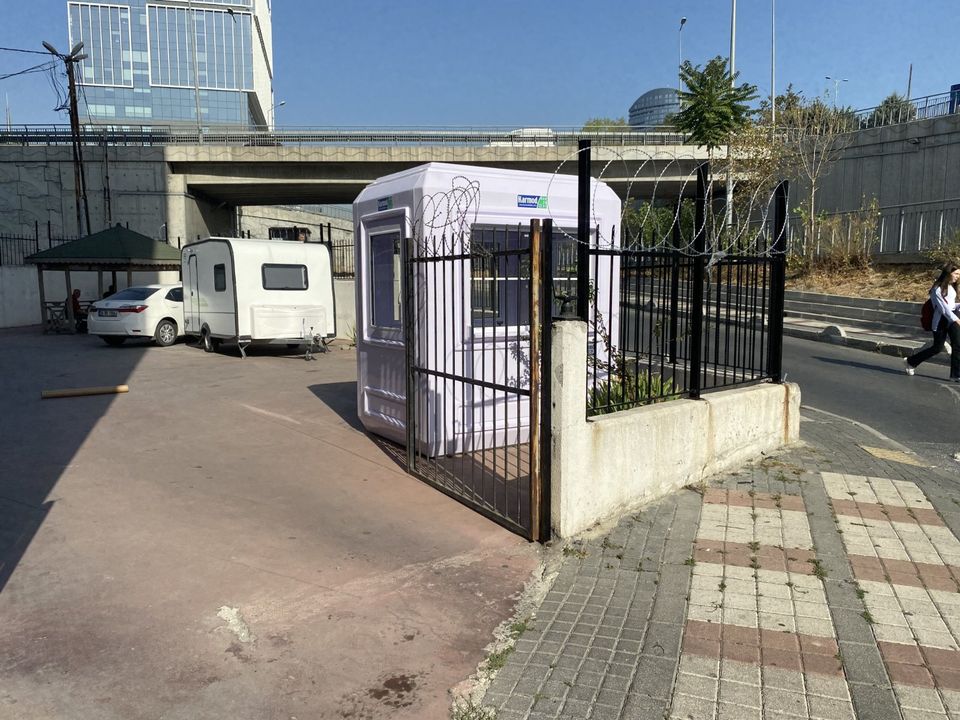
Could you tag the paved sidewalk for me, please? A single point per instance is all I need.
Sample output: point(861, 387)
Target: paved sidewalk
point(820, 583)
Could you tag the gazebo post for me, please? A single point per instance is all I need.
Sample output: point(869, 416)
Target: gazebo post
point(43, 298)
point(113, 278)
point(68, 310)
point(129, 278)
point(99, 284)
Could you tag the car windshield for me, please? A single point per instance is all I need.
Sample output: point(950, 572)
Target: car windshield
point(134, 293)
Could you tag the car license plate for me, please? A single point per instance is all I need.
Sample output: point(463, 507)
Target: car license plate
point(107, 313)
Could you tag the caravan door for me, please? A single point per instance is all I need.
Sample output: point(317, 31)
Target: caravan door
point(381, 391)
point(193, 300)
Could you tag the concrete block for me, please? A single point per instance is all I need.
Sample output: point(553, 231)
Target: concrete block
point(606, 466)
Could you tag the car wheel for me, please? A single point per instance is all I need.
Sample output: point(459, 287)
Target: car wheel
point(113, 340)
point(166, 333)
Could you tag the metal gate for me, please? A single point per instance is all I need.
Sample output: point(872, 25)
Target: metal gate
point(472, 327)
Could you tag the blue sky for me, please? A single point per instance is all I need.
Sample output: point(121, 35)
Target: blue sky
point(539, 63)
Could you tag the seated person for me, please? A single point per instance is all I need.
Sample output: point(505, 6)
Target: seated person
point(79, 316)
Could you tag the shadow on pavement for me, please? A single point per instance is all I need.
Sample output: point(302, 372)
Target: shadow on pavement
point(341, 397)
point(860, 365)
point(41, 437)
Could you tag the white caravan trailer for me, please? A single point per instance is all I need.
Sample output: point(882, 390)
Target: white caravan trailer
point(444, 208)
point(251, 291)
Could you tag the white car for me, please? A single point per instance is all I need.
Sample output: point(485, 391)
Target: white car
point(147, 311)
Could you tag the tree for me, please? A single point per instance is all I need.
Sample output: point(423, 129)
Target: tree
point(895, 108)
point(602, 124)
point(713, 106)
point(813, 135)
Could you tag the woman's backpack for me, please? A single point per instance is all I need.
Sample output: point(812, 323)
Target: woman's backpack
point(926, 316)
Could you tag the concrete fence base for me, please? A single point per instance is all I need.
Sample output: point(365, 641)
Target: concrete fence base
point(606, 466)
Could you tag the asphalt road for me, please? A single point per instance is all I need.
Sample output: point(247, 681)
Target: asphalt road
point(921, 412)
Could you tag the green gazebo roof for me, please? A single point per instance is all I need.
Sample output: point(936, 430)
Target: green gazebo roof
point(116, 246)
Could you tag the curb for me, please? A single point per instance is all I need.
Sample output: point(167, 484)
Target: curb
point(859, 343)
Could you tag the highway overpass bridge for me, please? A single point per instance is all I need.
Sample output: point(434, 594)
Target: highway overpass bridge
point(191, 183)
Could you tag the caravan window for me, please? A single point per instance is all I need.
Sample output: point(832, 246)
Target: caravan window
point(284, 277)
point(220, 277)
point(385, 280)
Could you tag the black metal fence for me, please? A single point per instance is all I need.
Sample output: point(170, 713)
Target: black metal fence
point(677, 321)
point(471, 315)
point(14, 248)
point(343, 258)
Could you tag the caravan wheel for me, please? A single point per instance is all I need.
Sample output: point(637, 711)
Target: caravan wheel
point(210, 344)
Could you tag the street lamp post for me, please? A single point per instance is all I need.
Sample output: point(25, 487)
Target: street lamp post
point(733, 73)
point(836, 87)
point(192, 30)
point(272, 115)
point(773, 66)
point(683, 21)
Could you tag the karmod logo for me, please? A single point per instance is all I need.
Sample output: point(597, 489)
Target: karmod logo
point(532, 201)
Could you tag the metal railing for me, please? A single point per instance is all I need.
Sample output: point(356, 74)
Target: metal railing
point(15, 248)
point(922, 108)
point(682, 318)
point(152, 135)
point(343, 258)
point(918, 227)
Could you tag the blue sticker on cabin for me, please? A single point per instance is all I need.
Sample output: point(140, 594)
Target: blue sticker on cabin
point(384, 203)
point(532, 201)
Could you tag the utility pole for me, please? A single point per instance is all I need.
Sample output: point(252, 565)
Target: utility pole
point(79, 175)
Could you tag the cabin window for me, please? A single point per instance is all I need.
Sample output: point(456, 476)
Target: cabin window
point(500, 272)
point(385, 279)
point(500, 275)
point(220, 277)
point(284, 277)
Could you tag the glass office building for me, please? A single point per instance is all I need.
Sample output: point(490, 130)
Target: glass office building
point(654, 107)
point(154, 62)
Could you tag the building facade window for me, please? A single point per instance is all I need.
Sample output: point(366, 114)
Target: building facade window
point(152, 63)
point(221, 44)
point(104, 31)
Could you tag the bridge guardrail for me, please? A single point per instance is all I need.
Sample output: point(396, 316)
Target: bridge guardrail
point(478, 137)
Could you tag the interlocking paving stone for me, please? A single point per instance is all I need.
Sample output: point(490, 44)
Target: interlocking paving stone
point(812, 652)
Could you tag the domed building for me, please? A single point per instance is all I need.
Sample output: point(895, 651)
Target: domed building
point(653, 107)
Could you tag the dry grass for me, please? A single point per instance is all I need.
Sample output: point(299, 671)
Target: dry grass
point(896, 282)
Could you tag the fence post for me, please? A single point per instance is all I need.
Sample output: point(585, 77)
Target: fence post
point(675, 285)
point(778, 272)
point(900, 234)
point(583, 231)
point(546, 368)
point(536, 427)
point(699, 267)
point(407, 280)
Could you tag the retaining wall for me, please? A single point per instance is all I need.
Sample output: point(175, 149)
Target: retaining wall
point(606, 466)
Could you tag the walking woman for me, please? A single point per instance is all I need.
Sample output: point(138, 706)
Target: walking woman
point(946, 322)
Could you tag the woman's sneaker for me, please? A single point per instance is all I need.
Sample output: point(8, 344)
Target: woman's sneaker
point(910, 370)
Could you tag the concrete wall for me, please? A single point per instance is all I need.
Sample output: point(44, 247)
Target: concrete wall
point(257, 220)
point(344, 293)
point(607, 466)
point(20, 291)
point(908, 163)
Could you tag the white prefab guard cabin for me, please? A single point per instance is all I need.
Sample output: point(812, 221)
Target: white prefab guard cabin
point(257, 291)
point(445, 208)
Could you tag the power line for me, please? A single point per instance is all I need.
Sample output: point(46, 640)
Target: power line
point(21, 50)
point(43, 67)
